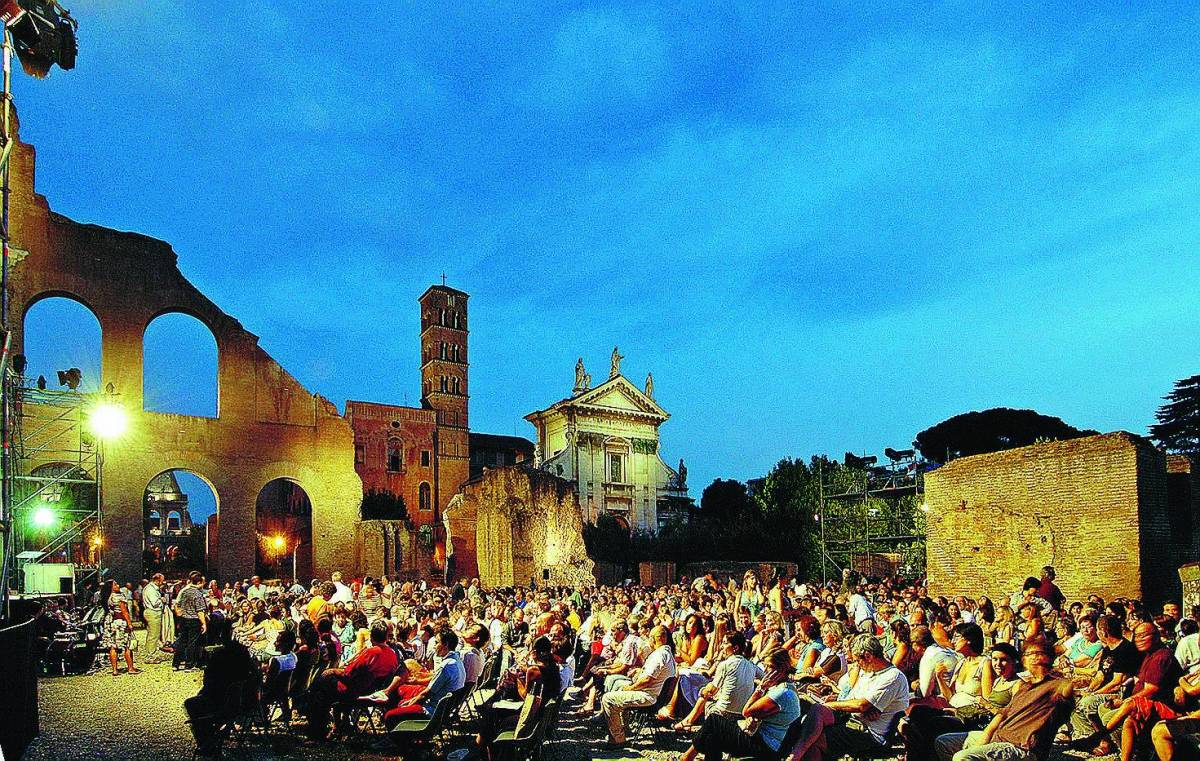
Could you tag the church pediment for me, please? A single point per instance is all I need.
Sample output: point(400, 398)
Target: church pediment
point(619, 394)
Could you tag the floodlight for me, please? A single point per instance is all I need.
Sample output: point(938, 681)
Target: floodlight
point(108, 421)
point(279, 543)
point(896, 455)
point(97, 540)
point(43, 34)
point(859, 463)
point(43, 517)
point(70, 378)
point(924, 507)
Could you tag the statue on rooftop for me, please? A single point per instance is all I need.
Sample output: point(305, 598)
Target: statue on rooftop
point(650, 385)
point(583, 381)
point(615, 368)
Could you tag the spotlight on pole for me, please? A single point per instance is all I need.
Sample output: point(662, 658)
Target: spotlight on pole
point(108, 420)
point(279, 543)
point(70, 378)
point(859, 463)
point(43, 34)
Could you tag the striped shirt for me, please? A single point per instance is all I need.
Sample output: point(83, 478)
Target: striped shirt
point(191, 602)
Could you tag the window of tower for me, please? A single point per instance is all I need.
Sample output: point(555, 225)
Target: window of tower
point(454, 387)
point(395, 455)
point(425, 497)
point(445, 385)
point(456, 319)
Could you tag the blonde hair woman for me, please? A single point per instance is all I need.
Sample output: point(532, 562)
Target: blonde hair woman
point(750, 596)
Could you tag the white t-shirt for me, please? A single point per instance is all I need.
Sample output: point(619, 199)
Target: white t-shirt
point(934, 655)
point(1187, 652)
point(659, 666)
point(734, 682)
point(858, 607)
point(887, 690)
point(343, 594)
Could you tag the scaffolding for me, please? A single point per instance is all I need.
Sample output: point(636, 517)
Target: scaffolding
point(55, 471)
point(870, 513)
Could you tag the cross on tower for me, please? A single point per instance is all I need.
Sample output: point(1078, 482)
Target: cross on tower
point(443, 279)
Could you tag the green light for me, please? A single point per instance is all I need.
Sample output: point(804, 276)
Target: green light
point(43, 517)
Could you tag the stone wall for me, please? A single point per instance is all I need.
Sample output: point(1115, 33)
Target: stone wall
point(514, 525)
point(1095, 508)
point(268, 426)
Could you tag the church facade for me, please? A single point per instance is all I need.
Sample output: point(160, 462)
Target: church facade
point(606, 441)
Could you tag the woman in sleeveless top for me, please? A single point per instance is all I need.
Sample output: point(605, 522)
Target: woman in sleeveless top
point(118, 627)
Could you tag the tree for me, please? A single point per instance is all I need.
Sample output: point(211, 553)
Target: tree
point(1178, 426)
point(724, 501)
point(607, 539)
point(380, 504)
point(991, 430)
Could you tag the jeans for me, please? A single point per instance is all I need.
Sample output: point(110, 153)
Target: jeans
point(964, 746)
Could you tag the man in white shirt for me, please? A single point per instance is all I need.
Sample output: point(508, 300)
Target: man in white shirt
point(860, 608)
point(931, 655)
point(645, 688)
point(472, 656)
point(878, 696)
point(1187, 652)
point(343, 593)
point(256, 590)
point(153, 606)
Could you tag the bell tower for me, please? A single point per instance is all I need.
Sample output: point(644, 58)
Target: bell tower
point(444, 386)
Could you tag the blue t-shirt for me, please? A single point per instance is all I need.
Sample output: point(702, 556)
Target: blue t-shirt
point(775, 726)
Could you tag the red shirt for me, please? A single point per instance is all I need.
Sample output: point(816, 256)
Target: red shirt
point(369, 668)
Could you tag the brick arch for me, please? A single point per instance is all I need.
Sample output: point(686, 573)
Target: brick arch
point(269, 426)
point(207, 322)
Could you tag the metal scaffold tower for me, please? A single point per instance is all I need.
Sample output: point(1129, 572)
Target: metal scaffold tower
point(55, 468)
point(869, 512)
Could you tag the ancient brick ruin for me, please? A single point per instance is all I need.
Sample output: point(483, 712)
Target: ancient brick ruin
point(528, 521)
point(1103, 510)
point(267, 427)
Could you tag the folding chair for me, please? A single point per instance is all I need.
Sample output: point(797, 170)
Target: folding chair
point(639, 718)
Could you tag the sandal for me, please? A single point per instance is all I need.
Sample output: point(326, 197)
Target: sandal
point(682, 727)
point(133, 671)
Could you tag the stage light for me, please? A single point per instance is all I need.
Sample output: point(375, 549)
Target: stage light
point(896, 455)
point(97, 540)
point(279, 543)
point(858, 463)
point(43, 517)
point(70, 378)
point(108, 421)
point(43, 34)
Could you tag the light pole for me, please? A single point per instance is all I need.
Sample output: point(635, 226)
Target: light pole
point(280, 543)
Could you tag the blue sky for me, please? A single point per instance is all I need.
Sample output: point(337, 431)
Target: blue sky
point(822, 228)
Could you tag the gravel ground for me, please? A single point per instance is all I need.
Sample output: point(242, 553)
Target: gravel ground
point(141, 717)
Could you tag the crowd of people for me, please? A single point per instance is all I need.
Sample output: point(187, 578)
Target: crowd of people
point(744, 666)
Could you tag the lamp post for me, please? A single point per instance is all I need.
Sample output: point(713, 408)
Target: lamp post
point(279, 542)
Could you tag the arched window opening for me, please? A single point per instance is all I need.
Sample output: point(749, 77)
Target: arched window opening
point(425, 497)
point(181, 519)
point(283, 518)
point(395, 455)
point(61, 333)
point(179, 366)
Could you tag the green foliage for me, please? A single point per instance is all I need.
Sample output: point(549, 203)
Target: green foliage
point(379, 504)
point(724, 501)
point(1178, 426)
point(991, 430)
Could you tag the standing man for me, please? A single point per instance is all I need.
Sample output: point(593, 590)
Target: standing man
point(153, 605)
point(191, 620)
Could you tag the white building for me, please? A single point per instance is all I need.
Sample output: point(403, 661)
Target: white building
point(605, 439)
